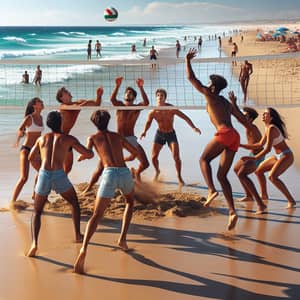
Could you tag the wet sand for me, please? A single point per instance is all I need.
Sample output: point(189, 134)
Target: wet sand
point(171, 258)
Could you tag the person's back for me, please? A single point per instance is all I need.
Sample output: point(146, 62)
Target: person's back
point(53, 150)
point(109, 146)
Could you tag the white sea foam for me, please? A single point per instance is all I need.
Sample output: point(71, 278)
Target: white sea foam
point(15, 39)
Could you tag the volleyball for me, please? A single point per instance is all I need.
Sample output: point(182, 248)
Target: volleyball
point(110, 14)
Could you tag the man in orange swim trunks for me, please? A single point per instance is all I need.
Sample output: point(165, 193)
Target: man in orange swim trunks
point(226, 140)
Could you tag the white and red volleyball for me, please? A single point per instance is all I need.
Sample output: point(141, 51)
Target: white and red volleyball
point(110, 14)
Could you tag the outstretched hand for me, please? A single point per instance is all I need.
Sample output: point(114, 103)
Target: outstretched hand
point(99, 92)
point(118, 81)
point(196, 129)
point(232, 97)
point(191, 54)
point(140, 82)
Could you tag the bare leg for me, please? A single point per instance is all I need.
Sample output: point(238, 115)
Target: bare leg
point(155, 152)
point(280, 167)
point(141, 167)
point(100, 206)
point(24, 171)
point(265, 166)
point(211, 151)
point(247, 168)
point(95, 177)
point(126, 221)
point(174, 147)
point(39, 204)
point(71, 197)
point(225, 164)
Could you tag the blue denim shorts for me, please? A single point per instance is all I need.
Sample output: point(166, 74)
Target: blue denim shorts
point(115, 178)
point(56, 180)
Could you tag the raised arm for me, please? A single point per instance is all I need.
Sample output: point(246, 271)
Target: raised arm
point(237, 112)
point(190, 73)
point(140, 84)
point(96, 102)
point(148, 124)
point(113, 97)
point(187, 119)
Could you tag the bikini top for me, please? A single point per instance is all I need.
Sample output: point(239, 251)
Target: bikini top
point(279, 138)
point(34, 127)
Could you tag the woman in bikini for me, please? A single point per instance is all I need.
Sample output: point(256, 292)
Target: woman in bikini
point(277, 164)
point(31, 127)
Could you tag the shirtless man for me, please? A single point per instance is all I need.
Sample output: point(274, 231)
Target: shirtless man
point(109, 146)
point(246, 71)
point(244, 168)
point(69, 116)
point(53, 148)
point(98, 48)
point(126, 120)
point(166, 132)
point(153, 56)
point(226, 140)
point(233, 53)
point(37, 80)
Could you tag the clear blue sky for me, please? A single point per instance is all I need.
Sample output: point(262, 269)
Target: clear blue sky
point(133, 12)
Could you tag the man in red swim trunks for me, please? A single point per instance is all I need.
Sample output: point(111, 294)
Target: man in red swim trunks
point(226, 140)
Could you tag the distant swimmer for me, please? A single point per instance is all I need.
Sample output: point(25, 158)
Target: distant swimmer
point(25, 78)
point(109, 146)
point(166, 133)
point(98, 48)
point(37, 80)
point(277, 164)
point(89, 50)
point(53, 147)
point(244, 78)
point(226, 141)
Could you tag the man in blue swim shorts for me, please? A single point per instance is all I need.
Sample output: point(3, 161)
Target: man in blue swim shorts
point(109, 146)
point(53, 148)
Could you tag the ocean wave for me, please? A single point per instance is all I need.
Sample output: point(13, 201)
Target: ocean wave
point(51, 73)
point(14, 39)
point(39, 52)
point(77, 33)
point(118, 34)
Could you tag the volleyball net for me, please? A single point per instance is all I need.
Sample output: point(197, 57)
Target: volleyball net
point(274, 82)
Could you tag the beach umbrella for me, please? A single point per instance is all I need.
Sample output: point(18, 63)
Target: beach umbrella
point(276, 34)
point(282, 29)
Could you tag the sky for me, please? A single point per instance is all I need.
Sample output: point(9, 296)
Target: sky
point(143, 12)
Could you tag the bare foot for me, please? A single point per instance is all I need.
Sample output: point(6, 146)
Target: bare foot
point(291, 204)
point(79, 238)
point(156, 176)
point(232, 221)
point(79, 264)
point(246, 199)
point(32, 251)
point(181, 182)
point(210, 198)
point(261, 210)
point(123, 245)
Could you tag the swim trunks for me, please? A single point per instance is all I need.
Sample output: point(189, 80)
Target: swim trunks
point(153, 57)
point(165, 137)
point(56, 180)
point(228, 137)
point(115, 178)
point(132, 140)
point(258, 161)
point(25, 148)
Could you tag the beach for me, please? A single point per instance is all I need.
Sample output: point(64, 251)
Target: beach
point(180, 249)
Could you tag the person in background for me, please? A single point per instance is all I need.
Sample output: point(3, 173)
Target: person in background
point(98, 48)
point(37, 80)
point(25, 78)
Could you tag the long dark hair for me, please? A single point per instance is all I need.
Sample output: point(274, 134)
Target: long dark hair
point(277, 120)
point(29, 108)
